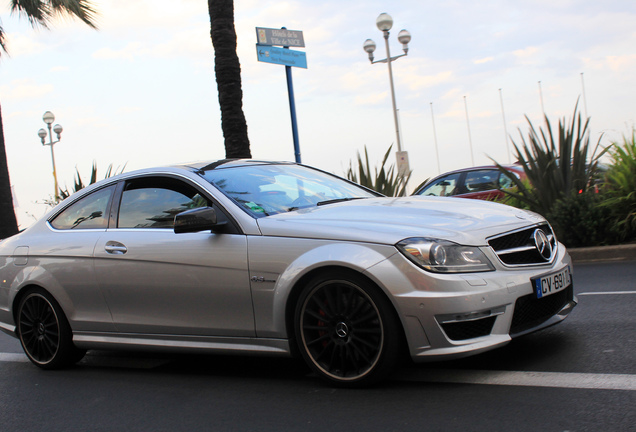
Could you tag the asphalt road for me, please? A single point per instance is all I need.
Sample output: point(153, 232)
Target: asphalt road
point(577, 376)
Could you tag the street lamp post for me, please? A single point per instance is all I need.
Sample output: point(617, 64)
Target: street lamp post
point(49, 118)
point(384, 23)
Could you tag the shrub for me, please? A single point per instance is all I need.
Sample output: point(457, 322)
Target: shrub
point(578, 220)
point(556, 165)
point(386, 181)
point(79, 183)
point(619, 188)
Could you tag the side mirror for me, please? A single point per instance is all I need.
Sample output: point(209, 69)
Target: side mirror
point(196, 220)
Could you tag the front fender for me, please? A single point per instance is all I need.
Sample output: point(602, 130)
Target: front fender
point(272, 284)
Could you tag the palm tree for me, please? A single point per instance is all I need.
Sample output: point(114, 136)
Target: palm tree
point(8, 222)
point(39, 13)
point(228, 79)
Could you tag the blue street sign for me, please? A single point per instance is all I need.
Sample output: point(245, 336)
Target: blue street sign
point(281, 56)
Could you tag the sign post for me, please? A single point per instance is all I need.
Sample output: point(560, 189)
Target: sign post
point(292, 110)
point(268, 53)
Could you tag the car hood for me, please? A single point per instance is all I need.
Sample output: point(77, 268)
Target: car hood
point(390, 220)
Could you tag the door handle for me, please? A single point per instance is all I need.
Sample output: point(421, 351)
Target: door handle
point(115, 248)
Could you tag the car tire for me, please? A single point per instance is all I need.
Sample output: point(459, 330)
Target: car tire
point(45, 333)
point(347, 330)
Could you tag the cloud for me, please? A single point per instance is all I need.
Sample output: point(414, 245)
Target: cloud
point(483, 114)
point(194, 43)
point(483, 60)
point(456, 113)
point(129, 52)
point(353, 79)
point(129, 109)
point(24, 89)
point(621, 63)
point(20, 44)
point(417, 81)
point(452, 94)
point(526, 55)
point(139, 15)
point(155, 29)
point(371, 99)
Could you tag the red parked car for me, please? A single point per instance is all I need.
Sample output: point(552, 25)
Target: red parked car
point(484, 182)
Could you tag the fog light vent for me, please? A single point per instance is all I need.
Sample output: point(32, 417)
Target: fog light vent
point(463, 330)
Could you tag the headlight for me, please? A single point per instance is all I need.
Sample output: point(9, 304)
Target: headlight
point(442, 256)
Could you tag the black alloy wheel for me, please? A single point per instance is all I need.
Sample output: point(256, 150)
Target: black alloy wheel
point(347, 330)
point(44, 332)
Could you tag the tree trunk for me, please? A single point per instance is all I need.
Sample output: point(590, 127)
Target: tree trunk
point(8, 222)
point(228, 78)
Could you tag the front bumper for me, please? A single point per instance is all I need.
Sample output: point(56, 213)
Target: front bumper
point(451, 316)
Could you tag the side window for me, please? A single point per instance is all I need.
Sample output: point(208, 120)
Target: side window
point(153, 202)
point(446, 186)
point(505, 182)
point(89, 212)
point(481, 180)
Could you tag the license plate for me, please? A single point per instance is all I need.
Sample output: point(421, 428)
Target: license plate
point(552, 283)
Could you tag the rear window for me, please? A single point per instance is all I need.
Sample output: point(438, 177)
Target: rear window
point(90, 212)
point(481, 180)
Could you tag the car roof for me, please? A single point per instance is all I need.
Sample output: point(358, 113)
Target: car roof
point(515, 167)
point(483, 167)
point(225, 163)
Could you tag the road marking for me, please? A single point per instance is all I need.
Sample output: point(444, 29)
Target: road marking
point(461, 376)
point(101, 361)
point(529, 379)
point(606, 293)
point(13, 357)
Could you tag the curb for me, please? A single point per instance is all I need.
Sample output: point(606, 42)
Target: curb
point(624, 252)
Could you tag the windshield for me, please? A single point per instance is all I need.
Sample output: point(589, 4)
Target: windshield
point(264, 190)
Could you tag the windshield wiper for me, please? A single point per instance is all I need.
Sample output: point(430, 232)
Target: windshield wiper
point(337, 200)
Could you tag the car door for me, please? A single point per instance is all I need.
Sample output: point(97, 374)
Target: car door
point(159, 282)
point(63, 260)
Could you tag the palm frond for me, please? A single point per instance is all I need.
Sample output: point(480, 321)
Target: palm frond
point(41, 13)
point(78, 183)
point(384, 179)
point(556, 163)
point(3, 41)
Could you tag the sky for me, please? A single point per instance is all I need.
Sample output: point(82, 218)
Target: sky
point(141, 91)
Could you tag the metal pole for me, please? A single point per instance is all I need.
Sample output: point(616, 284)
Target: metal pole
point(395, 118)
point(56, 194)
point(292, 110)
point(541, 99)
point(470, 141)
point(584, 99)
point(439, 171)
point(503, 115)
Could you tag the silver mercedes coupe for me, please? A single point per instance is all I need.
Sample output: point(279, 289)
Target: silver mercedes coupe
point(275, 258)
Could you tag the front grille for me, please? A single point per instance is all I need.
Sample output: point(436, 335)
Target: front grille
point(518, 248)
point(531, 311)
point(469, 329)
